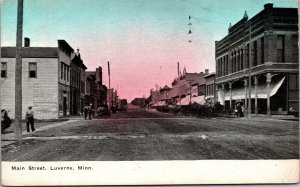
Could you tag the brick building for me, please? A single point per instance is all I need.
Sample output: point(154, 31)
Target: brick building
point(99, 90)
point(45, 79)
point(77, 69)
point(210, 88)
point(190, 87)
point(264, 48)
point(91, 90)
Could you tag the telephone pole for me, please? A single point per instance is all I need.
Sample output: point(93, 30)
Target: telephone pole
point(18, 74)
point(179, 83)
point(250, 61)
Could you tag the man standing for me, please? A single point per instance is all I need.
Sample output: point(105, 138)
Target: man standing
point(29, 119)
point(90, 111)
point(86, 109)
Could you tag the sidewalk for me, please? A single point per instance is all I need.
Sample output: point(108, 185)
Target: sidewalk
point(258, 118)
point(9, 136)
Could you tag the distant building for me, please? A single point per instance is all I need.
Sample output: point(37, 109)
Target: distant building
point(139, 101)
point(188, 87)
point(91, 90)
point(45, 79)
point(210, 88)
point(76, 85)
point(112, 98)
point(154, 97)
point(268, 43)
point(101, 90)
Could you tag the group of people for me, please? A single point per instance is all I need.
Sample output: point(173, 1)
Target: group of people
point(88, 112)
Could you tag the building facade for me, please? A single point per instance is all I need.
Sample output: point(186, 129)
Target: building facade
point(77, 68)
point(258, 59)
point(190, 87)
point(101, 90)
point(45, 79)
point(210, 96)
point(91, 91)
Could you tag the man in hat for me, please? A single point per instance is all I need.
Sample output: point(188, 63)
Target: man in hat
point(86, 110)
point(90, 111)
point(29, 119)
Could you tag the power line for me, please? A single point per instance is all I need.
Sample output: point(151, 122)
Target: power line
point(200, 19)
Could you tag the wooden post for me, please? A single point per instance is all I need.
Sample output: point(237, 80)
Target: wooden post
point(18, 74)
point(230, 90)
point(268, 94)
point(250, 61)
point(245, 86)
point(255, 87)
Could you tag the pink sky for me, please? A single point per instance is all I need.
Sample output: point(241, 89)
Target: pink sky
point(142, 39)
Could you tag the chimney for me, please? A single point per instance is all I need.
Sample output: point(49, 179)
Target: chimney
point(26, 42)
point(99, 75)
point(268, 6)
point(206, 71)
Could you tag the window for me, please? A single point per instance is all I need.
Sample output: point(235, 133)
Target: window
point(32, 70)
point(67, 73)
point(280, 48)
point(295, 49)
point(242, 59)
point(262, 48)
point(62, 70)
point(255, 53)
point(3, 70)
point(293, 81)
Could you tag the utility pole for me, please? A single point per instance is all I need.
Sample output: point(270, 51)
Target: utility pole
point(109, 85)
point(108, 75)
point(250, 61)
point(179, 84)
point(18, 74)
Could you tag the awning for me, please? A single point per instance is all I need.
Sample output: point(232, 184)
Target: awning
point(186, 101)
point(261, 91)
point(160, 103)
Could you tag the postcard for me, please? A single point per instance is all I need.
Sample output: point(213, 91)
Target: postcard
point(149, 92)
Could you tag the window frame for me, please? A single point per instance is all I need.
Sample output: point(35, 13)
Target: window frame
point(4, 63)
point(29, 71)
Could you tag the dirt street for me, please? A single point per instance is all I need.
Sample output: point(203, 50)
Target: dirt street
point(149, 135)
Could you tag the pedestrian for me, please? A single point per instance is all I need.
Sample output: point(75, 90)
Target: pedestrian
point(29, 119)
point(242, 110)
point(239, 110)
point(90, 110)
point(86, 109)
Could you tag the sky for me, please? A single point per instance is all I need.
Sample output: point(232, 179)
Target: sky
point(142, 39)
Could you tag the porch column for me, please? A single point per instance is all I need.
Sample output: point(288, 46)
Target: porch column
point(255, 89)
point(268, 94)
point(230, 101)
point(245, 85)
point(223, 88)
point(216, 95)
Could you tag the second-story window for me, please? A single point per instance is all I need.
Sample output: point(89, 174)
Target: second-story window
point(32, 70)
point(3, 70)
point(280, 48)
point(65, 71)
point(68, 73)
point(62, 70)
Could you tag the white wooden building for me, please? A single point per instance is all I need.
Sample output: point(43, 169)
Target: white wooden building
point(45, 80)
